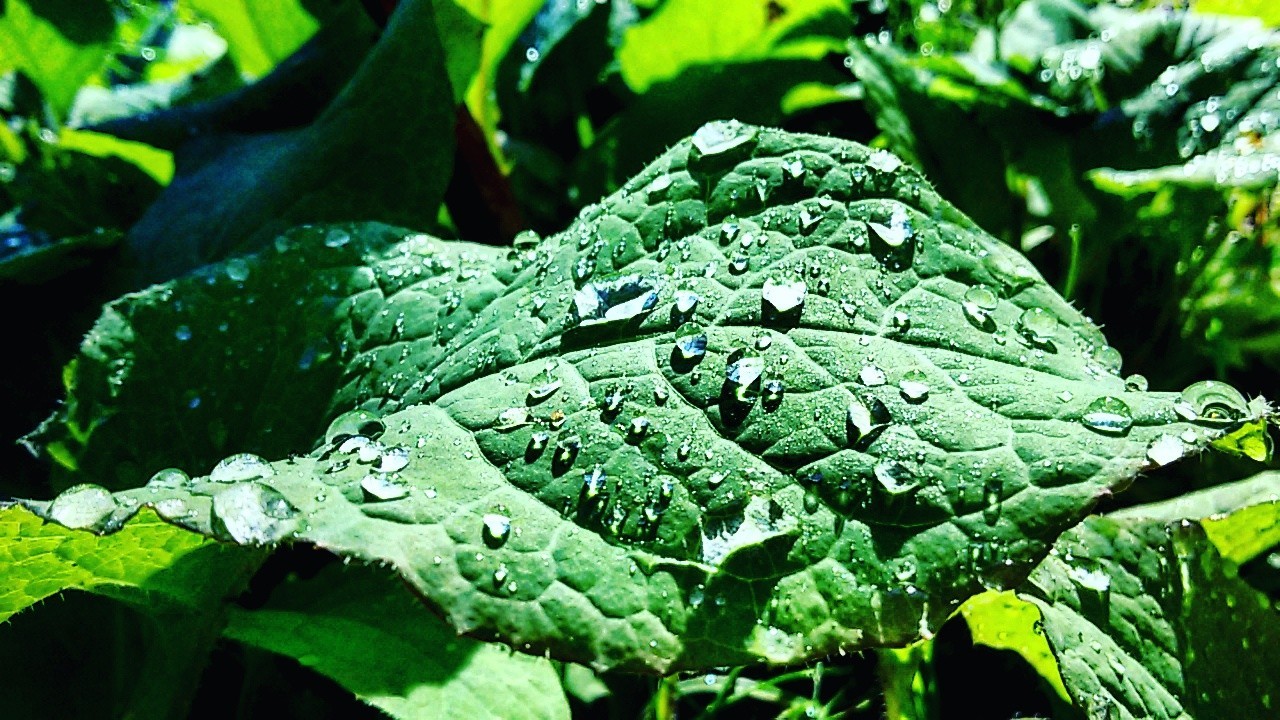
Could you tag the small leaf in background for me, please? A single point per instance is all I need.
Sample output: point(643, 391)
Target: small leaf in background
point(58, 44)
point(259, 33)
point(1148, 618)
point(421, 668)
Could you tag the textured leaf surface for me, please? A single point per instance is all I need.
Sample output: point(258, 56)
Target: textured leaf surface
point(551, 469)
point(365, 630)
point(1149, 620)
point(147, 562)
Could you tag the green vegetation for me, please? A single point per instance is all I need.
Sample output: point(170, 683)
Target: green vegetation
point(639, 359)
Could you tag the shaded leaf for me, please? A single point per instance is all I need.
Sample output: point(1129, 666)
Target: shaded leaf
point(367, 632)
point(1149, 619)
point(890, 410)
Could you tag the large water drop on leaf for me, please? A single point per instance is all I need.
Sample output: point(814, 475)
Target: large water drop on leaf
point(615, 300)
point(979, 303)
point(168, 479)
point(783, 297)
point(239, 467)
point(253, 513)
point(84, 507)
point(354, 422)
point(1108, 415)
point(1213, 403)
point(691, 342)
point(744, 372)
point(719, 137)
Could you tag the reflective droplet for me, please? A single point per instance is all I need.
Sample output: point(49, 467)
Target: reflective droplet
point(861, 419)
point(772, 396)
point(871, 376)
point(497, 529)
point(783, 297)
point(686, 301)
point(691, 341)
point(616, 300)
point(1136, 383)
point(237, 269)
point(979, 303)
point(722, 136)
point(182, 333)
point(240, 467)
point(744, 373)
point(1166, 449)
point(84, 507)
point(336, 238)
point(896, 232)
point(538, 442)
point(380, 488)
point(1215, 403)
point(169, 478)
point(884, 161)
point(354, 422)
point(1108, 415)
point(1038, 326)
point(543, 385)
point(739, 264)
point(252, 513)
point(914, 386)
point(593, 482)
point(682, 452)
point(513, 418)
point(638, 429)
point(567, 450)
point(393, 459)
point(895, 478)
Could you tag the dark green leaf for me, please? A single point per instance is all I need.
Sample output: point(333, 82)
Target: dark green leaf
point(893, 410)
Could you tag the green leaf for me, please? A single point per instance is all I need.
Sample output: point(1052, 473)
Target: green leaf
point(1003, 621)
point(367, 632)
point(1148, 618)
point(681, 33)
point(253, 186)
point(891, 411)
point(259, 33)
point(147, 562)
point(58, 44)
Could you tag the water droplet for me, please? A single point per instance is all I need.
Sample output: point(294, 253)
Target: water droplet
point(252, 513)
point(352, 423)
point(240, 467)
point(744, 372)
point(901, 321)
point(691, 342)
point(884, 161)
point(497, 529)
point(1214, 403)
point(682, 452)
point(979, 302)
point(715, 479)
point(914, 386)
point(337, 238)
point(1136, 383)
point(871, 376)
point(513, 418)
point(863, 417)
point(638, 429)
point(1108, 415)
point(660, 394)
point(393, 459)
point(380, 488)
point(686, 301)
point(1166, 449)
point(182, 333)
point(1038, 326)
point(739, 264)
point(895, 478)
point(783, 298)
point(896, 232)
point(772, 397)
point(169, 478)
point(722, 136)
point(593, 482)
point(991, 492)
point(538, 442)
point(567, 450)
point(616, 300)
point(84, 507)
point(543, 385)
point(237, 269)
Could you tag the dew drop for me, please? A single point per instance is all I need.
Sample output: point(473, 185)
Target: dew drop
point(979, 303)
point(686, 301)
point(896, 232)
point(772, 396)
point(1136, 383)
point(895, 478)
point(1214, 403)
point(914, 386)
point(182, 333)
point(169, 479)
point(497, 529)
point(1108, 415)
point(637, 429)
point(691, 342)
point(354, 423)
point(1165, 449)
point(240, 467)
point(783, 297)
point(393, 459)
point(719, 137)
point(871, 376)
point(237, 269)
point(252, 513)
point(380, 488)
point(1038, 326)
point(513, 418)
point(743, 374)
point(84, 507)
point(616, 300)
point(593, 482)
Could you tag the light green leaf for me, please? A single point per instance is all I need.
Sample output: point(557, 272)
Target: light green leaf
point(1149, 620)
point(365, 630)
point(146, 562)
point(681, 33)
point(259, 33)
point(58, 44)
point(890, 409)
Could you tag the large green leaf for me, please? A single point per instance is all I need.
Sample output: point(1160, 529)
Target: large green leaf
point(1150, 620)
point(259, 34)
point(890, 410)
point(367, 631)
point(148, 562)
